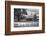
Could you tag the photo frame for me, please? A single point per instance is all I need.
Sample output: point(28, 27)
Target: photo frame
point(24, 17)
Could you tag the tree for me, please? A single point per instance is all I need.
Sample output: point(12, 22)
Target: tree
point(17, 13)
point(35, 17)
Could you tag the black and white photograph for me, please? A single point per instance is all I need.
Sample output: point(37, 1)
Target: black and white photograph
point(26, 17)
point(23, 17)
